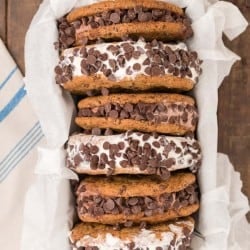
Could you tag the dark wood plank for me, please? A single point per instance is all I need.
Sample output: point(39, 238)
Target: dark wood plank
point(3, 20)
point(19, 16)
point(234, 107)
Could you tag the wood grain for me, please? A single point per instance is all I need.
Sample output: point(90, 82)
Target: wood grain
point(234, 107)
point(3, 20)
point(19, 15)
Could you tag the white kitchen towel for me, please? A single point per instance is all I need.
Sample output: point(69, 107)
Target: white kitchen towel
point(20, 133)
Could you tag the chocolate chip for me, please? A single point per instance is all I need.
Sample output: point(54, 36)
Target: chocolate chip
point(104, 57)
point(94, 149)
point(94, 162)
point(137, 67)
point(113, 114)
point(103, 158)
point(146, 62)
point(156, 71)
point(144, 17)
point(136, 54)
point(136, 209)
point(105, 91)
point(77, 160)
point(108, 131)
point(124, 163)
point(115, 18)
point(109, 205)
point(112, 64)
point(156, 144)
point(124, 114)
point(121, 145)
point(106, 145)
point(128, 107)
point(164, 173)
point(128, 48)
point(148, 70)
point(96, 131)
point(91, 59)
point(129, 71)
point(148, 212)
point(112, 78)
point(159, 248)
point(58, 70)
point(132, 201)
point(128, 224)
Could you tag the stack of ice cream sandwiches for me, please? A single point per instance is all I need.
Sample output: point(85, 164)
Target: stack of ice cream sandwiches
point(136, 156)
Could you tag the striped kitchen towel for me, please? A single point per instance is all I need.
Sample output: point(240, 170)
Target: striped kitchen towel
point(20, 133)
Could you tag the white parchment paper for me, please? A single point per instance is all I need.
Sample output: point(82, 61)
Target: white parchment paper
point(49, 209)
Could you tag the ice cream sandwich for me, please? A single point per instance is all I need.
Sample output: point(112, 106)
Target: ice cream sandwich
point(166, 236)
point(131, 199)
point(130, 65)
point(112, 20)
point(162, 113)
point(132, 153)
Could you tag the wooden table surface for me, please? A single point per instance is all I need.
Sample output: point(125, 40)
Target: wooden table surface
point(234, 95)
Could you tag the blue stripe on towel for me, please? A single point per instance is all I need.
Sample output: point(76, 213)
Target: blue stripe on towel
point(8, 77)
point(12, 103)
point(24, 146)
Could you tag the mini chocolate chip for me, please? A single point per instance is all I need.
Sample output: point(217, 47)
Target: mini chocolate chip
point(148, 212)
point(115, 18)
point(143, 225)
point(137, 66)
point(124, 163)
point(132, 201)
point(103, 158)
point(128, 224)
point(77, 160)
point(96, 131)
point(112, 64)
point(109, 205)
point(131, 14)
point(112, 78)
point(94, 149)
point(113, 114)
point(105, 91)
point(108, 131)
point(121, 145)
point(124, 114)
point(91, 59)
point(58, 70)
point(136, 54)
point(148, 70)
point(144, 17)
point(156, 71)
point(156, 144)
point(128, 107)
point(145, 137)
point(159, 248)
point(146, 62)
point(164, 173)
point(110, 171)
point(106, 145)
point(136, 209)
point(94, 162)
point(129, 71)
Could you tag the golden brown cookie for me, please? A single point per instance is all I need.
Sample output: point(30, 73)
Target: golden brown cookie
point(168, 235)
point(136, 199)
point(116, 19)
point(132, 153)
point(135, 66)
point(162, 113)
